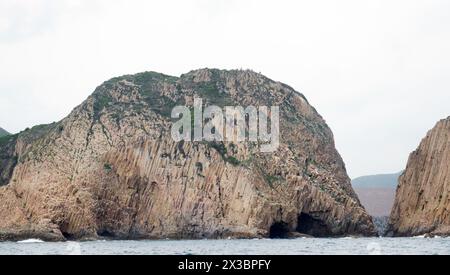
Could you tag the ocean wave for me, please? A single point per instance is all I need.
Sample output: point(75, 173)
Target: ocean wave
point(31, 241)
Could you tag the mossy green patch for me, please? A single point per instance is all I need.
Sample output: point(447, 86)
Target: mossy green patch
point(211, 93)
point(149, 77)
point(101, 101)
point(223, 151)
point(6, 139)
point(107, 167)
point(271, 180)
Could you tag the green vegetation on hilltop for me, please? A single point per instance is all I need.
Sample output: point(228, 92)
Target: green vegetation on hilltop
point(148, 77)
point(3, 132)
point(29, 134)
point(6, 139)
point(101, 101)
point(149, 83)
point(212, 92)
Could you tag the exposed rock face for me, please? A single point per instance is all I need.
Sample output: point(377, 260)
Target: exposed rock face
point(111, 168)
point(422, 204)
point(381, 224)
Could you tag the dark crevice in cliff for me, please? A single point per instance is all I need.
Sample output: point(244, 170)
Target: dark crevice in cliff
point(104, 233)
point(312, 226)
point(219, 187)
point(68, 236)
point(107, 134)
point(279, 230)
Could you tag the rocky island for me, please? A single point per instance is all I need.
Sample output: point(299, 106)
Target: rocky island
point(111, 170)
point(422, 204)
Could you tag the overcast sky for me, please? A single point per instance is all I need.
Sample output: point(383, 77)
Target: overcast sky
point(377, 71)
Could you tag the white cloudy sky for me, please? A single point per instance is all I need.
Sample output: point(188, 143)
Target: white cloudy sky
point(378, 71)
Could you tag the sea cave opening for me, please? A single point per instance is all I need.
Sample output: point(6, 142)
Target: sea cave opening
point(312, 226)
point(106, 234)
point(279, 230)
point(64, 228)
point(68, 236)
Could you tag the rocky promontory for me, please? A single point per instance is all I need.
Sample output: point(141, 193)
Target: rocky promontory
point(111, 169)
point(422, 204)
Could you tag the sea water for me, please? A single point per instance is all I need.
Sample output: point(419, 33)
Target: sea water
point(337, 246)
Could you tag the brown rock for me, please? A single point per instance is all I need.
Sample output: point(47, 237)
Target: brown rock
point(111, 169)
point(422, 204)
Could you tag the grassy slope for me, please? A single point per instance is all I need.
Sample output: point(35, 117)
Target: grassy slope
point(3, 132)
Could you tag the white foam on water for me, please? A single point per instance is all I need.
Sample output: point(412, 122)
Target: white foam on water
point(31, 241)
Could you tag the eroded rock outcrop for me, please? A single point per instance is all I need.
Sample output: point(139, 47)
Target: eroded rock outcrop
point(422, 204)
point(111, 169)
